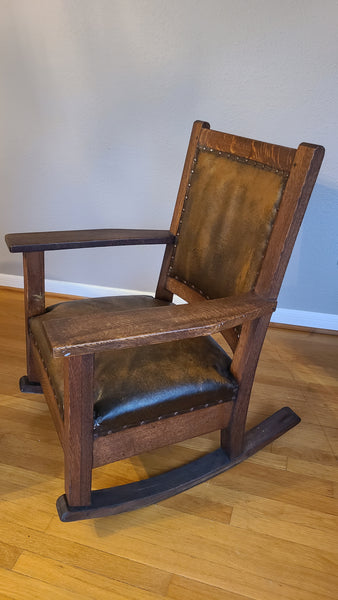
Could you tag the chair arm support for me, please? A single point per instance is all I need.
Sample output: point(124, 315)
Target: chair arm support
point(86, 238)
point(69, 337)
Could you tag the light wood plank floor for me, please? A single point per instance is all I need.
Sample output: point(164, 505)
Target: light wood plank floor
point(266, 530)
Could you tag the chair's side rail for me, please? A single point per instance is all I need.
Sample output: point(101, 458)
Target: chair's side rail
point(147, 437)
point(86, 238)
point(184, 291)
point(295, 198)
point(190, 295)
point(152, 326)
point(48, 393)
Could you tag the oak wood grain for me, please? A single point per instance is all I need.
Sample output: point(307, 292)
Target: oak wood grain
point(154, 325)
point(78, 428)
point(34, 295)
point(303, 175)
point(243, 367)
point(279, 157)
point(197, 129)
point(189, 295)
point(183, 291)
point(48, 393)
point(162, 290)
point(87, 238)
point(132, 441)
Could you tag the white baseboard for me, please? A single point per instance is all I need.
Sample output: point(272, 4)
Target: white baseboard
point(70, 288)
point(286, 316)
point(305, 318)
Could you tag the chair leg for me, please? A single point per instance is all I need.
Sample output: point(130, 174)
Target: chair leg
point(78, 428)
point(34, 296)
point(243, 368)
point(29, 387)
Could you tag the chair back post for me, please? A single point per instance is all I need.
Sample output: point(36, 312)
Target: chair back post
point(162, 291)
point(303, 175)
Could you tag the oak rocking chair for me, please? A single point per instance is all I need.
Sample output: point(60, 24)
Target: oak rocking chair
point(125, 375)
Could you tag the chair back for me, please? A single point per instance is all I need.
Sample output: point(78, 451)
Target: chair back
point(231, 194)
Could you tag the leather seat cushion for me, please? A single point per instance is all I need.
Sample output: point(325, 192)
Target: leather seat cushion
point(139, 385)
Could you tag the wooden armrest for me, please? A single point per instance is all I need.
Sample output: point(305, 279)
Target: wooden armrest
point(145, 326)
point(86, 238)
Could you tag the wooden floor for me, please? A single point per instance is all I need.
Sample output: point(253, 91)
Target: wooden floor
point(266, 530)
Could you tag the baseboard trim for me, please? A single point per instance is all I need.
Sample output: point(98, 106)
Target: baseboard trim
point(70, 288)
point(283, 316)
point(306, 319)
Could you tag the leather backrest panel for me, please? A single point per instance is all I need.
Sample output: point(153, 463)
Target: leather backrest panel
point(230, 207)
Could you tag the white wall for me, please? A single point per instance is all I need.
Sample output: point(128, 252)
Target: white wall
point(97, 102)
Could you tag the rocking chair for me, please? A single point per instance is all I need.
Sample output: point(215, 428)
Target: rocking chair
point(126, 375)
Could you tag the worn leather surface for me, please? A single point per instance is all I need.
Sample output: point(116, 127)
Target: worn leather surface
point(143, 384)
point(228, 215)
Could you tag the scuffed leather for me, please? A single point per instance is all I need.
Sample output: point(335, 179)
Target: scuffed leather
point(142, 384)
point(228, 215)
